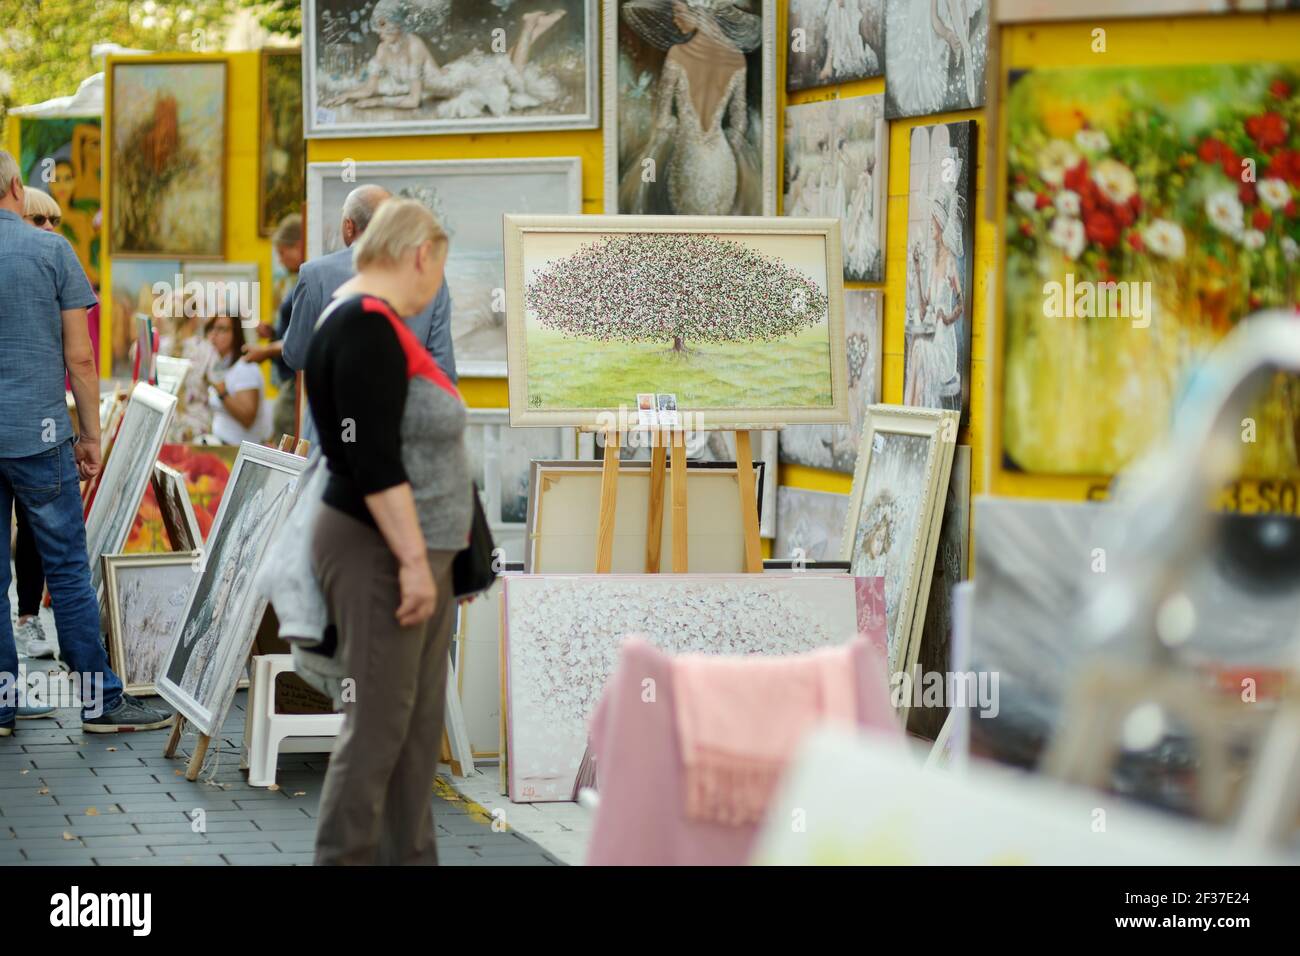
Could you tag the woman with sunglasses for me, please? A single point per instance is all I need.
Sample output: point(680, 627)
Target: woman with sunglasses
point(43, 212)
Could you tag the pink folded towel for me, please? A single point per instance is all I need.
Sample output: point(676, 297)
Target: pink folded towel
point(739, 720)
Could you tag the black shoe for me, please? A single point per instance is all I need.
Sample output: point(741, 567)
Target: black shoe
point(129, 715)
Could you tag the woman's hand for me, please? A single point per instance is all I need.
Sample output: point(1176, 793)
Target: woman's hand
point(418, 592)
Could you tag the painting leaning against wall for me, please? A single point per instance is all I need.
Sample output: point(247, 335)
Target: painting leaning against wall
point(62, 157)
point(282, 150)
point(1150, 211)
point(167, 141)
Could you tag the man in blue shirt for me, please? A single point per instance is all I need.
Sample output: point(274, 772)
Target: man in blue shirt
point(319, 278)
point(43, 300)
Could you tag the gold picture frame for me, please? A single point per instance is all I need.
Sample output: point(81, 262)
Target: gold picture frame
point(621, 350)
point(170, 145)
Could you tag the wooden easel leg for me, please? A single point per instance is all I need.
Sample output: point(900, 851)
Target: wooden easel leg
point(679, 502)
point(655, 516)
point(748, 503)
point(608, 504)
point(174, 738)
point(196, 761)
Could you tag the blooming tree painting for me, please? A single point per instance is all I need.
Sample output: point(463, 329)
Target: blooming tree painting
point(1183, 180)
point(674, 288)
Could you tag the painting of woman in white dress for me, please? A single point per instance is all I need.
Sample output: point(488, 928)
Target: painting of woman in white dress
point(937, 322)
point(687, 107)
point(432, 66)
point(935, 55)
point(834, 41)
point(835, 158)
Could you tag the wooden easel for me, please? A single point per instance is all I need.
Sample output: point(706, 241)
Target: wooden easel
point(662, 439)
point(287, 444)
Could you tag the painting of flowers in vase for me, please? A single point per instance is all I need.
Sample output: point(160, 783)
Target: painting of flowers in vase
point(1149, 211)
point(167, 143)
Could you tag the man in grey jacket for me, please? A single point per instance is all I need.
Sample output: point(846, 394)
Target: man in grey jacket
point(319, 278)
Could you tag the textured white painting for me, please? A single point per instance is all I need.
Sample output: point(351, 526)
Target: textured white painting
point(809, 524)
point(835, 447)
point(935, 55)
point(563, 634)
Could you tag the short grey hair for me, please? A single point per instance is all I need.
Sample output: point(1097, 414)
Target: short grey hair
point(9, 171)
point(361, 204)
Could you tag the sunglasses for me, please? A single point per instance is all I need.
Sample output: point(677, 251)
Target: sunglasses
point(39, 220)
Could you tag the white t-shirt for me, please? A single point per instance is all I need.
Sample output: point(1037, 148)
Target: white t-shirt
point(241, 377)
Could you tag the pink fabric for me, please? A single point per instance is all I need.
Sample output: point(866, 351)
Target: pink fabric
point(740, 718)
point(641, 820)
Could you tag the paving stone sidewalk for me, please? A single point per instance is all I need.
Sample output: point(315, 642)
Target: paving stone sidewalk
point(113, 799)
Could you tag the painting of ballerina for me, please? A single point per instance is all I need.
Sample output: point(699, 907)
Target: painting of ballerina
point(836, 154)
point(399, 67)
point(690, 107)
point(835, 41)
point(935, 55)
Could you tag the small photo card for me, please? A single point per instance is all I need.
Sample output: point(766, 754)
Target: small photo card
point(667, 405)
point(647, 416)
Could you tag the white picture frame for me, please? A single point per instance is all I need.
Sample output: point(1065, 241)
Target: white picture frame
point(147, 594)
point(316, 124)
point(612, 86)
point(902, 503)
point(460, 193)
point(126, 474)
point(224, 609)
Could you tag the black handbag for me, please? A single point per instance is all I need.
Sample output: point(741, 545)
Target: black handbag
point(474, 569)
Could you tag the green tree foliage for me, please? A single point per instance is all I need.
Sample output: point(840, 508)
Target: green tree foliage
point(45, 44)
point(278, 16)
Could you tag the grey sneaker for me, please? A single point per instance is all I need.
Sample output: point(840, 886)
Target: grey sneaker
point(129, 715)
point(31, 640)
point(34, 713)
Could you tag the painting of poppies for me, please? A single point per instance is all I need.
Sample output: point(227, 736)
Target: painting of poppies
point(167, 143)
point(206, 470)
point(1149, 211)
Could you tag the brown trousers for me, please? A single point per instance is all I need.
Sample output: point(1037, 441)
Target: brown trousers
point(377, 804)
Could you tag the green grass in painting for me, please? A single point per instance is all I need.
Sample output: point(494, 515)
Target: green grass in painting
point(567, 372)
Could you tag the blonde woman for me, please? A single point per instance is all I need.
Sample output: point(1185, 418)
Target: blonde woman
point(396, 510)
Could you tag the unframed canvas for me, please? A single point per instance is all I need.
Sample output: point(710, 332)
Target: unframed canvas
point(469, 198)
point(501, 461)
point(661, 156)
point(167, 148)
point(282, 151)
point(563, 631)
point(595, 316)
point(416, 67)
point(837, 166)
point(894, 510)
point(940, 263)
point(147, 594)
point(834, 41)
point(935, 56)
point(209, 650)
point(69, 150)
point(125, 476)
point(835, 447)
point(809, 524)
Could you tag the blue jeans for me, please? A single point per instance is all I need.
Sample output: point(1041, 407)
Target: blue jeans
point(46, 486)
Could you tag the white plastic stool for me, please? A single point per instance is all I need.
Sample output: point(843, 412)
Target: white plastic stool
point(266, 732)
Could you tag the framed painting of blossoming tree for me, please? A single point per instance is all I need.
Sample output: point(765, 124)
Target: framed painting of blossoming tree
point(741, 318)
point(1148, 211)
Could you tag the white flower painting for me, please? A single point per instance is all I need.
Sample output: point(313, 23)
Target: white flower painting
point(563, 634)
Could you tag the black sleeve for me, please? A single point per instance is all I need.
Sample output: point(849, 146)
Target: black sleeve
point(370, 387)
